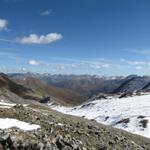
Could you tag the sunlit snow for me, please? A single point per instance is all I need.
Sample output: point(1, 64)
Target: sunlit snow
point(6, 123)
point(131, 114)
point(4, 104)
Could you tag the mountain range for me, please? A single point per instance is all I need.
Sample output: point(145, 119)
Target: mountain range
point(34, 89)
point(29, 118)
point(90, 85)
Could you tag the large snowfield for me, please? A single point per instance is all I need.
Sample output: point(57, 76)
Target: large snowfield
point(131, 114)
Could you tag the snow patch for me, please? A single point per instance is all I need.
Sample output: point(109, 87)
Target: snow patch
point(6, 123)
point(9, 105)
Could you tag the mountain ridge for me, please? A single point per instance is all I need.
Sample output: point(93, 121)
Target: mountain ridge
point(23, 90)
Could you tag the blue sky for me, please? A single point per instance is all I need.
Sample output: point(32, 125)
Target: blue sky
point(104, 37)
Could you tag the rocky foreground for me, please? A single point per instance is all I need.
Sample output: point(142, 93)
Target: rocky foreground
point(63, 132)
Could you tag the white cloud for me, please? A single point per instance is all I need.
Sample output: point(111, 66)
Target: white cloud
point(100, 66)
point(133, 62)
point(99, 63)
point(3, 24)
point(141, 51)
point(46, 12)
point(78, 66)
point(34, 62)
point(60, 66)
point(136, 62)
point(138, 67)
point(23, 69)
point(42, 39)
point(122, 60)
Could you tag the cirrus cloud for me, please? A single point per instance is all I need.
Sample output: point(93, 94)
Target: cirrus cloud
point(42, 39)
point(134, 62)
point(138, 67)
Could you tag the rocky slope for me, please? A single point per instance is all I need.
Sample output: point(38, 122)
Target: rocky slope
point(133, 83)
point(63, 132)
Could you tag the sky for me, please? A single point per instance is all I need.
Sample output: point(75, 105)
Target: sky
point(101, 37)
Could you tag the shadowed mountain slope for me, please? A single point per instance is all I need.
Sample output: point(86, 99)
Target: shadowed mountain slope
point(62, 96)
point(34, 89)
